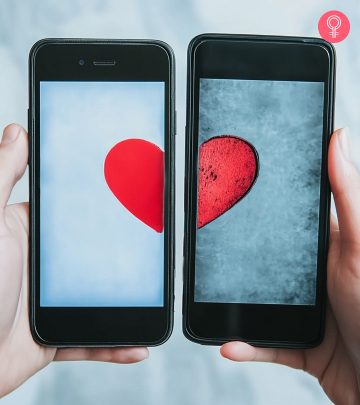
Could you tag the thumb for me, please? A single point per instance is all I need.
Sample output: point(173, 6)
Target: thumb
point(13, 160)
point(345, 185)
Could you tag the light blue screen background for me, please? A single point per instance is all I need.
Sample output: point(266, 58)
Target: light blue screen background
point(264, 249)
point(93, 251)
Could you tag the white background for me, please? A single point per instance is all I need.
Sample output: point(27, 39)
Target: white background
point(179, 372)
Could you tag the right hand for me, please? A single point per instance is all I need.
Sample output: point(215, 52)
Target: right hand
point(336, 362)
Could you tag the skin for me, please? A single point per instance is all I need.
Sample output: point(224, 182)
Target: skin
point(336, 362)
point(20, 356)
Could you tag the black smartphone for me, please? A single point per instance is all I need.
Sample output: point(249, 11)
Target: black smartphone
point(259, 119)
point(101, 123)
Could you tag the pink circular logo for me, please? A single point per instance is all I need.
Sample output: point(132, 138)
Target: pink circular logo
point(334, 26)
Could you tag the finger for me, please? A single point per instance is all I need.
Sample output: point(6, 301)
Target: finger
point(116, 355)
point(345, 185)
point(13, 160)
point(241, 351)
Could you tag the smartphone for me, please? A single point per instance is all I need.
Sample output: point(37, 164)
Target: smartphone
point(101, 123)
point(259, 119)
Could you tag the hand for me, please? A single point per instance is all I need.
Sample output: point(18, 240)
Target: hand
point(336, 362)
point(20, 356)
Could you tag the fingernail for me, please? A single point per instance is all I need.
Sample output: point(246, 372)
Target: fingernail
point(344, 143)
point(11, 133)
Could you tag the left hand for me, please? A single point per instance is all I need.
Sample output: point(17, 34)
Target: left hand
point(20, 355)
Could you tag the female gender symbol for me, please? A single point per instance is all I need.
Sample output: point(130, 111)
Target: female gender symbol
point(334, 28)
point(338, 24)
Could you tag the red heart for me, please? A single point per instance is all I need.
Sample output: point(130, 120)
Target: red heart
point(134, 172)
point(228, 167)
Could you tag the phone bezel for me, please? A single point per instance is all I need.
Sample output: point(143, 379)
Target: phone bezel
point(262, 58)
point(136, 60)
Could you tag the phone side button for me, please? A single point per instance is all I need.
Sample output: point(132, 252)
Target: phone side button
point(29, 131)
point(175, 122)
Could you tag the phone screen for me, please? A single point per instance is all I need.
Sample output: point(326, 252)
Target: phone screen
point(259, 175)
point(101, 194)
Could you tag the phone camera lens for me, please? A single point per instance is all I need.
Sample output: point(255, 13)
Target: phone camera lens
point(81, 62)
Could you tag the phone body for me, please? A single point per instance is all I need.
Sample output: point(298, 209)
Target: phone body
point(101, 125)
point(257, 197)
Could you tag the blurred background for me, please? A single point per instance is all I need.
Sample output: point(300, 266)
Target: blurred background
point(179, 372)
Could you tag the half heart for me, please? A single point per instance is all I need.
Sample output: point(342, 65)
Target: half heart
point(228, 168)
point(134, 172)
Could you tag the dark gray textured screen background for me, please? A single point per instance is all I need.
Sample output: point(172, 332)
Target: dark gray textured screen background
point(264, 249)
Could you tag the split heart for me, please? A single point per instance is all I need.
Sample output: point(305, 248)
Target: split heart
point(134, 172)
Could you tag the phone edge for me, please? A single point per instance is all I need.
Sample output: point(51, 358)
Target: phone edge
point(187, 332)
point(171, 240)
